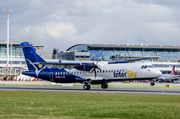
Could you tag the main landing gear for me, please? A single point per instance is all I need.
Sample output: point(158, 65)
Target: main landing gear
point(104, 85)
point(87, 86)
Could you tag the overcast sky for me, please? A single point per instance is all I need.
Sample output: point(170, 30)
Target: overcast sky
point(63, 23)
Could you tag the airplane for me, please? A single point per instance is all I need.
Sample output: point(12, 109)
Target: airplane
point(86, 73)
point(168, 76)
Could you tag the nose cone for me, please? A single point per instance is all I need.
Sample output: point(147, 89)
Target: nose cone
point(157, 73)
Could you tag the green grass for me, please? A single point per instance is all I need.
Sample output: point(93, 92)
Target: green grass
point(24, 104)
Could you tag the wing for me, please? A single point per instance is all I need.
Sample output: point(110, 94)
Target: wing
point(59, 65)
point(137, 59)
point(130, 60)
point(78, 66)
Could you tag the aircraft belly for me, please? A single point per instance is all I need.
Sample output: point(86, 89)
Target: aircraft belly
point(55, 77)
point(64, 79)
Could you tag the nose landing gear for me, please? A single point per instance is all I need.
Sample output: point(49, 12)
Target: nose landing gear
point(152, 83)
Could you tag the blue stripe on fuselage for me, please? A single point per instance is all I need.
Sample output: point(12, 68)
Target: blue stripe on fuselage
point(53, 74)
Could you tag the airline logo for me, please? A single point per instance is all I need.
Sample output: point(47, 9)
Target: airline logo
point(40, 66)
point(129, 73)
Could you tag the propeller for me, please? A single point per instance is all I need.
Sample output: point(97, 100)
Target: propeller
point(94, 67)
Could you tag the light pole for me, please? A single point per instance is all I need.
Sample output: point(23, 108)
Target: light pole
point(7, 38)
point(11, 53)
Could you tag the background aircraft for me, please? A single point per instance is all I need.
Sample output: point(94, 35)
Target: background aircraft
point(86, 73)
point(168, 77)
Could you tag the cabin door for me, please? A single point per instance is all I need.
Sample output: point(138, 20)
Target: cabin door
point(51, 76)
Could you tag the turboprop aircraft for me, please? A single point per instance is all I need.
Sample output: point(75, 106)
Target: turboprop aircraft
point(86, 73)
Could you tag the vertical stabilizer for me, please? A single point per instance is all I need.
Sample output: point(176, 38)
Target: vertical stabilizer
point(173, 70)
point(31, 56)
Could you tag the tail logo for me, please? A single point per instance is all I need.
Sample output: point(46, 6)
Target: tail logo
point(36, 69)
point(40, 66)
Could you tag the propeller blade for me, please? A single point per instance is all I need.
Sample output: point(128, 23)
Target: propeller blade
point(98, 60)
point(95, 73)
point(98, 68)
point(92, 70)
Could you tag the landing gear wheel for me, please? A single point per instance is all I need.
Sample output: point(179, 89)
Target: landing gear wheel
point(86, 87)
point(104, 85)
point(152, 83)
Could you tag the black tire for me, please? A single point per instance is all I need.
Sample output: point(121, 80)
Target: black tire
point(104, 85)
point(152, 83)
point(86, 87)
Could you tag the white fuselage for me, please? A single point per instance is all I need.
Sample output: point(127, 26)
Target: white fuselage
point(124, 71)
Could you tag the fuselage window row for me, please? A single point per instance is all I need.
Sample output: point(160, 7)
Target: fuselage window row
point(98, 71)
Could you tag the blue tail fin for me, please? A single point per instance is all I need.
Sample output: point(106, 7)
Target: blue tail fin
point(31, 56)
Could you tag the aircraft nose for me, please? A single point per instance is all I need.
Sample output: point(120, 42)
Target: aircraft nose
point(157, 73)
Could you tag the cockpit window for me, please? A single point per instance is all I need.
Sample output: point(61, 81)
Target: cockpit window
point(147, 66)
point(150, 66)
point(142, 67)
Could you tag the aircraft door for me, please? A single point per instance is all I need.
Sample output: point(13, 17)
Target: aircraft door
point(51, 76)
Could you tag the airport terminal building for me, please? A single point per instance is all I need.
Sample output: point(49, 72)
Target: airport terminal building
point(109, 52)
